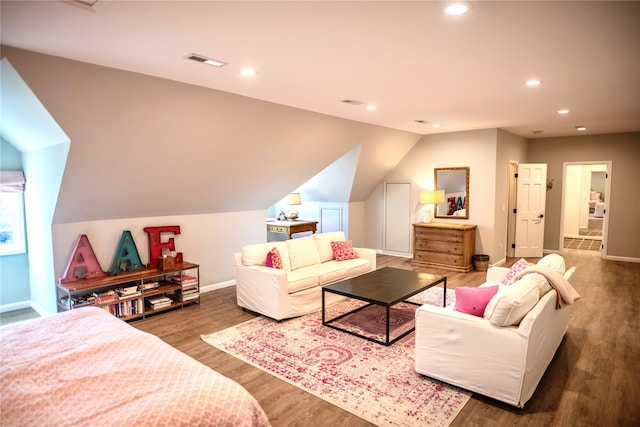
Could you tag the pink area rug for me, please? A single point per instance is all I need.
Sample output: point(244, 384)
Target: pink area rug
point(374, 382)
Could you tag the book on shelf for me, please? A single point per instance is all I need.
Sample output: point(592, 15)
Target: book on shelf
point(104, 297)
point(184, 279)
point(128, 291)
point(159, 302)
point(149, 286)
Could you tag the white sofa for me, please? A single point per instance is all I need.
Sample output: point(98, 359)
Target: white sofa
point(503, 362)
point(308, 263)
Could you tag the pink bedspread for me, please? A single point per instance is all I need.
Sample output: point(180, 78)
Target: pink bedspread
point(85, 367)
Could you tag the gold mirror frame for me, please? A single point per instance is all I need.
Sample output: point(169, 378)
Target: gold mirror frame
point(455, 183)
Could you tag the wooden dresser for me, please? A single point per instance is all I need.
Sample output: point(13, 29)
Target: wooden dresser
point(444, 245)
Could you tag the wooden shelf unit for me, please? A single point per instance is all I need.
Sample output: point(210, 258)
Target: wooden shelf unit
point(87, 287)
point(444, 245)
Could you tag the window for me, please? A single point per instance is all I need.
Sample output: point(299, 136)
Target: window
point(12, 235)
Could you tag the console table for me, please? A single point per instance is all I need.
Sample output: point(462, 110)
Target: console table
point(291, 227)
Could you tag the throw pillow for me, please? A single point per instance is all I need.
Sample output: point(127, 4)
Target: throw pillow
point(274, 260)
point(509, 306)
point(520, 265)
point(343, 251)
point(474, 300)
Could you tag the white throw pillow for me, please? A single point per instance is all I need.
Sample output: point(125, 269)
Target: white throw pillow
point(257, 254)
point(509, 306)
point(553, 261)
point(323, 242)
point(303, 252)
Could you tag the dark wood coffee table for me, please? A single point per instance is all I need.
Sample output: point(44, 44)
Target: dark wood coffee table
point(385, 287)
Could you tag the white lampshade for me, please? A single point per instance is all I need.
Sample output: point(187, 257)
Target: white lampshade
point(428, 197)
point(294, 199)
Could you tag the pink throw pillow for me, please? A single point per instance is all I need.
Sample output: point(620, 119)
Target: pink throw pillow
point(274, 260)
point(474, 300)
point(520, 265)
point(343, 250)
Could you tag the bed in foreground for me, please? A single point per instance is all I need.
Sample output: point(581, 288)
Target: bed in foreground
point(85, 367)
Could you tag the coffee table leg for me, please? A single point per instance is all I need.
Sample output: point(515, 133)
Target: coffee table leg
point(388, 315)
point(444, 299)
point(323, 316)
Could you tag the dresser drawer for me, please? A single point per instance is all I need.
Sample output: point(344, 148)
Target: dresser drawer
point(439, 258)
point(440, 246)
point(441, 235)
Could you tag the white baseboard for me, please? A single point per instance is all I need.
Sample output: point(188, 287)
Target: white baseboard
point(15, 306)
point(214, 286)
point(622, 258)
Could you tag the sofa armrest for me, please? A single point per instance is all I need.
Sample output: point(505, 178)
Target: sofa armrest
point(262, 289)
point(496, 274)
point(470, 352)
point(368, 254)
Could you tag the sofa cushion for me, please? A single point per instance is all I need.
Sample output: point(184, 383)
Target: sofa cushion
point(323, 243)
point(274, 260)
point(343, 250)
point(509, 306)
point(256, 254)
point(302, 278)
point(303, 252)
point(520, 265)
point(330, 272)
point(474, 300)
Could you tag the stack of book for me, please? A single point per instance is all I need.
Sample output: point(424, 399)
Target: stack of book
point(129, 291)
point(189, 289)
point(78, 300)
point(150, 286)
point(159, 302)
point(106, 297)
point(187, 295)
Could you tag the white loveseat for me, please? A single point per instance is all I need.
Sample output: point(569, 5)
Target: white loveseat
point(308, 263)
point(503, 362)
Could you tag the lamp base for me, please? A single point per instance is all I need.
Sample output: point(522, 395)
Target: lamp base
point(292, 216)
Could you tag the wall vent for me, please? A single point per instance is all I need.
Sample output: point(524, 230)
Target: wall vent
point(205, 60)
point(352, 101)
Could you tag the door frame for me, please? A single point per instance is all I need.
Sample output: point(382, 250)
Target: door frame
point(605, 220)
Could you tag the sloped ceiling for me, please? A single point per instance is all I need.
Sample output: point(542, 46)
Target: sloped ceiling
point(144, 146)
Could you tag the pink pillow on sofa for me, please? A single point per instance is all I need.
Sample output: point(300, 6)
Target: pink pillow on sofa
point(474, 300)
point(516, 268)
point(343, 250)
point(274, 260)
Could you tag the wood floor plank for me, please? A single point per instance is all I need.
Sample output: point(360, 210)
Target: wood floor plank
point(593, 380)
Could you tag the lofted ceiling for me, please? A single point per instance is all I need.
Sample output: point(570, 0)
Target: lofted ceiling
point(408, 58)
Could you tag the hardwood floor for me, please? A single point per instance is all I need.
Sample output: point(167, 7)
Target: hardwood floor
point(594, 379)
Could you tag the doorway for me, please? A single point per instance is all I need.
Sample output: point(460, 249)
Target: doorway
point(585, 202)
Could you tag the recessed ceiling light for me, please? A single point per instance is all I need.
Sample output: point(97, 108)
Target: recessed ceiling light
point(371, 107)
point(435, 125)
point(563, 111)
point(248, 72)
point(205, 60)
point(533, 82)
point(455, 9)
point(581, 128)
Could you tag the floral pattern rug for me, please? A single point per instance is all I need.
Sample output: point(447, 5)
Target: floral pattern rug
point(375, 382)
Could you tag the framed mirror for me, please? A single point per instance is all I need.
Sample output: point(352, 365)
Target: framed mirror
point(455, 183)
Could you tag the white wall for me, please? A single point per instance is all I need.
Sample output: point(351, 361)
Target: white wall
point(209, 240)
point(475, 149)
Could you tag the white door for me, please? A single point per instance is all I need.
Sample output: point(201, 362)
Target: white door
point(530, 205)
point(397, 228)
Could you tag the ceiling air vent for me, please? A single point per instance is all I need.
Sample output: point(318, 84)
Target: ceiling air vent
point(352, 101)
point(205, 60)
point(93, 5)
